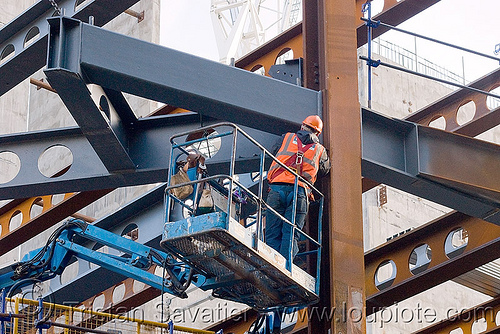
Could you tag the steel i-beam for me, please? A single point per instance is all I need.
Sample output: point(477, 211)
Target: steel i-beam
point(448, 261)
point(27, 34)
point(104, 58)
point(433, 164)
point(147, 148)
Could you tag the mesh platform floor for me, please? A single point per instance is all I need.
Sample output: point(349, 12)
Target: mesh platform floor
point(222, 252)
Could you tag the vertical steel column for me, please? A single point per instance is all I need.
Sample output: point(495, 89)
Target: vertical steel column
point(342, 137)
point(312, 18)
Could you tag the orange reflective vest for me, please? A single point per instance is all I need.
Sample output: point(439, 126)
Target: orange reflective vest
point(289, 154)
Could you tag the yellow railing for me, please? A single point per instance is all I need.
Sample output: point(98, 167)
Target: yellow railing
point(65, 319)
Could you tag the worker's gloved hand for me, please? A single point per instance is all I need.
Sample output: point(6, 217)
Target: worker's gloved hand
point(202, 163)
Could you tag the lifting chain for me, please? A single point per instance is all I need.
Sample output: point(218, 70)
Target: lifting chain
point(56, 7)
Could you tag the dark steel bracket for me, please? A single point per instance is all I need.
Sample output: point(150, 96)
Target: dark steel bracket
point(290, 71)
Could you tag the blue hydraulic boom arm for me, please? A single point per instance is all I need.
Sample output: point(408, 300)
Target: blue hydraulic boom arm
point(133, 261)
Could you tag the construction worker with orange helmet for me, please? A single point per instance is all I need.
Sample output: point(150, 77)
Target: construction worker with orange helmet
point(302, 152)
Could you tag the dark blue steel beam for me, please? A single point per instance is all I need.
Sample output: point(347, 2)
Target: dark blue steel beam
point(33, 56)
point(456, 171)
point(148, 147)
point(125, 64)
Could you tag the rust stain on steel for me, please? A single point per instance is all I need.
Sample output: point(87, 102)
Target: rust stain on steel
point(448, 107)
point(267, 54)
point(50, 215)
point(393, 13)
point(342, 136)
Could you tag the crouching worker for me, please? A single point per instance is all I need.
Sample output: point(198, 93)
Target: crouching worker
point(190, 170)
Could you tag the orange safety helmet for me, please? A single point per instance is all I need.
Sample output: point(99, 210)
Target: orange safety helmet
point(314, 122)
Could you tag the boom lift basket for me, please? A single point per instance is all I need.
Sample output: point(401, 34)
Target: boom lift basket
point(227, 246)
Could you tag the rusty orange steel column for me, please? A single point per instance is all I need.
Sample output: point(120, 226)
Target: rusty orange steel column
point(339, 82)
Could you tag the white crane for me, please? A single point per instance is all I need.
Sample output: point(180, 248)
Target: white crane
point(240, 26)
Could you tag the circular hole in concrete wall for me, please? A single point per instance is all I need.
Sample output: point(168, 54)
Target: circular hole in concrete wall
point(36, 208)
point(16, 220)
point(118, 293)
point(420, 259)
point(31, 36)
point(385, 274)
point(10, 165)
point(456, 242)
point(438, 123)
point(8, 52)
point(466, 113)
point(493, 102)
point(55, 161)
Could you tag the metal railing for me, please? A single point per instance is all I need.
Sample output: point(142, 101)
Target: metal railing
point(231, 184)
point(32, 316)
point(412, 61)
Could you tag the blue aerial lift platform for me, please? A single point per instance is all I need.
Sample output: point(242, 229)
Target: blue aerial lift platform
point(222, 250)
point(227, 245)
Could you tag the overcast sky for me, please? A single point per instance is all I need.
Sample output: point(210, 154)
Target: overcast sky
point(186, 26)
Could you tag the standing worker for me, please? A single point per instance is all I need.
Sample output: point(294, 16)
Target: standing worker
point(302, 152)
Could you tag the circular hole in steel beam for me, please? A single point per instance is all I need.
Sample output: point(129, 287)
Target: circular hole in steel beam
point(31, 36)
point(15, 220)
point(8, 52)
point(10, 165)
point(98, 303)
point(36, 208)
point(283, 55)
point(104, 106)
point(258, 69)
point(466, 113)
point(420, 259)
point(438, 123)
point(493, 102)
point(131, 231)
point(55, 161)
point(456, 242)
point(385, 274)
point(118, 293)
point(207, 142)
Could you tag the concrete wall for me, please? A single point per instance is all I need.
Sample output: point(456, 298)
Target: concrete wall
point(397, 94)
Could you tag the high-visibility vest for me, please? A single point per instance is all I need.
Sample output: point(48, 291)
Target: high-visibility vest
point(288, 154)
